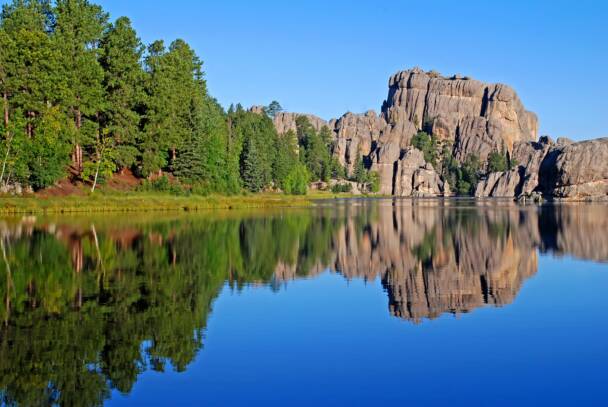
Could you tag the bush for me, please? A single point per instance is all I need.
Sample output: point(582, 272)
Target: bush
point(428, 145)
point(497, 162)
point(296, 182)
point(338, 188)
point(162, 184)
point(374, 182)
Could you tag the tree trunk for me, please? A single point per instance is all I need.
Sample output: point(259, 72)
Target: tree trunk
point(29, 129)
point(96, 175)
point(8, 135)
point(5, 99)
point(77, 155)
point(8, 149)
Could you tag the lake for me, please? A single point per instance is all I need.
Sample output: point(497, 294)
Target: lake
point(352, 302)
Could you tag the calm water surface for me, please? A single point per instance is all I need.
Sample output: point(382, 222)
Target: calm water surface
point(358, 302)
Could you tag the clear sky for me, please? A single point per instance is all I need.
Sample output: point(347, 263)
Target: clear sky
point(329, 57)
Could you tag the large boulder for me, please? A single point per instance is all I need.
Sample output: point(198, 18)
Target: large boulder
point(577, 171)
point(500, 184)
point(414, 177)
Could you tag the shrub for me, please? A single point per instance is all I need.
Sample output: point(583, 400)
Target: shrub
point(338, 188)
point(162, 184)
point(296, 182)
point(374, 182)
point(428, 145)
point(497, 162)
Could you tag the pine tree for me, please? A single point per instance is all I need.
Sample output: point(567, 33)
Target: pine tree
point(78, 29)
point(31, 83)
point(176, 92)
point(251, 170)
point(286, 158)
point(121, 53)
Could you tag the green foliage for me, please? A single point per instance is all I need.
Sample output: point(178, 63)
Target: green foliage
point(72, 84)
point(337, 170)
point(162, 184)
point(497, 162)
point(359, 170)
point(258, 139)
point(121, 53)
point(296, 182)
point(286, 158)
point(428, 145)
point(50, 149)
point(369, 181)
point(463, 177)
point(342, 188)
point(314, 149)
point(273, 109)
point(374, 182)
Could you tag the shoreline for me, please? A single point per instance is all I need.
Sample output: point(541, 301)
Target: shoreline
point(154, 202)
point(144, 202)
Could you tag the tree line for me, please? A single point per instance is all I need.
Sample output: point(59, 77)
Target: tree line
point(83, 97)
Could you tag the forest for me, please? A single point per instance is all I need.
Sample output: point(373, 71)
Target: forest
point(83, 98)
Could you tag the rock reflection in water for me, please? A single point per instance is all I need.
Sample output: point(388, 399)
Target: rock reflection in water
point(89, 304)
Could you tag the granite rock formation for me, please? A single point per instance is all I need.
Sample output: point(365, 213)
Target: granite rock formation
point(285, 122)
point(563, 170)
point(473, 119)
point(415, 177)
point(477, 117)
point(356, 135)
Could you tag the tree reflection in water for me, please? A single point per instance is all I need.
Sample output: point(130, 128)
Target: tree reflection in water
point(89, 304)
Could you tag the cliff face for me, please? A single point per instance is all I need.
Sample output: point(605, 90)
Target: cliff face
point(473, 119)
point(477, 117)
point(565, 170)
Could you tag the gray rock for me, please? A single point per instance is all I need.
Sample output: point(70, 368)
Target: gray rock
point(452, 107)
point(415, 177)
point(578, 171)
point(285, 121)
point(356, 135)
point(500, 184)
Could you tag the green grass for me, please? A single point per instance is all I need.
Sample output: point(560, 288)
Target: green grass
point(143, 202)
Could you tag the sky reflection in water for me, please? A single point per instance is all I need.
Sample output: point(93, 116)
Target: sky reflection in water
point(360, 302)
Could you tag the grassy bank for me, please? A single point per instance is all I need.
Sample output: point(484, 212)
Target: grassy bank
point(145, 202)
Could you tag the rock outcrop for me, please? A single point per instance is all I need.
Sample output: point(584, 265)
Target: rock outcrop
point(473, 119)
point(356, 135)
point(415, 177)
point(578, 171)
point(285, 121)
point(477, 117)
point(564, 170)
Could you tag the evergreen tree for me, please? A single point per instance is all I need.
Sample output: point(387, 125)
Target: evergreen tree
point(286, 157)
point(359, 170)
point(315, 151)
point(176, 92)
point(31, 82)
point(273, 109)
point(121, 53)
point(259, 141)
point(78, 29)
point(252, 172)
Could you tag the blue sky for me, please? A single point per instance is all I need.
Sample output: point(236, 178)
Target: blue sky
point(329, 57)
